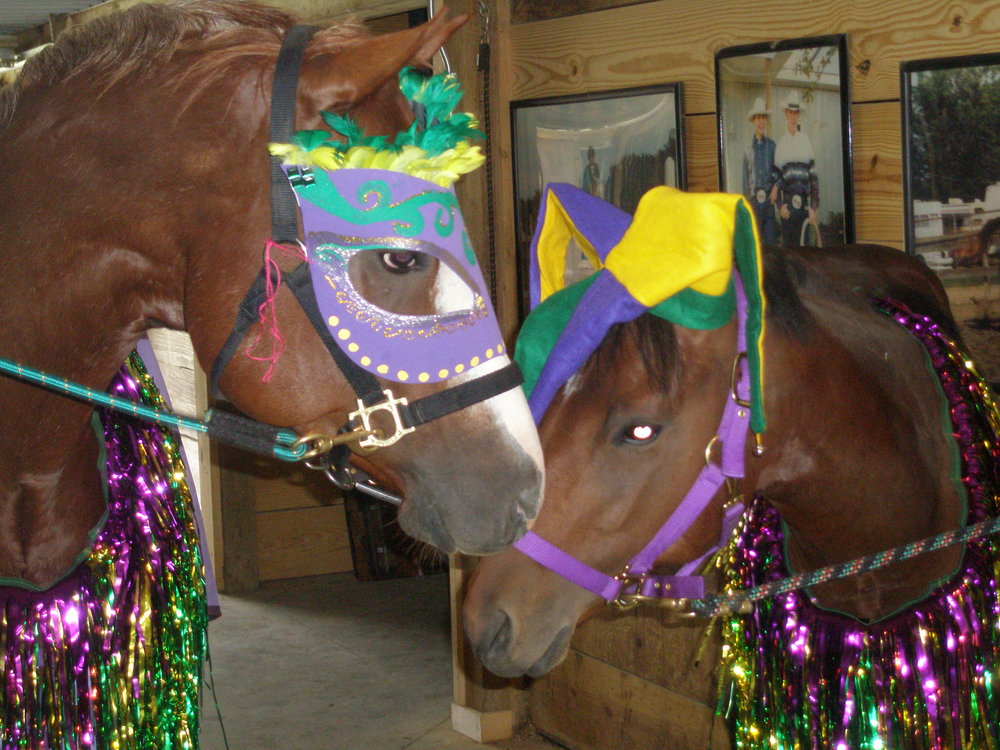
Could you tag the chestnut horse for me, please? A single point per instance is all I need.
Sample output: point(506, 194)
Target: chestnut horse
point(855, 459)
point(135, 170)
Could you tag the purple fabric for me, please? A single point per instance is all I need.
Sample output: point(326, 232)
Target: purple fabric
point(350, 210)
point(605, 303)
point(602, 223)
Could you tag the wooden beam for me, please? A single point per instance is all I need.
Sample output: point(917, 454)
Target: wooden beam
point(539, 10)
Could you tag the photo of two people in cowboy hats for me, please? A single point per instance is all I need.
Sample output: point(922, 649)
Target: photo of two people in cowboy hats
point(782, 120)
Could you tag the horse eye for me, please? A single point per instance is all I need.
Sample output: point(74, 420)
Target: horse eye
point(640, 434)
point(400, 262)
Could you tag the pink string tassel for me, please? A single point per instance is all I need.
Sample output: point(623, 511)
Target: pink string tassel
point(267, 310)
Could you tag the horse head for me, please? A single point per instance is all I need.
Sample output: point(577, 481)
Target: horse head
point(628, 402)
point(165, 220)
point(631, 426)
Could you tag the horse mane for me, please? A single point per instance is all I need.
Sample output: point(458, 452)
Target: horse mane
point(141, 41)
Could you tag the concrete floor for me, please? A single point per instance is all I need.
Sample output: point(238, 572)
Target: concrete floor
point(328, 662)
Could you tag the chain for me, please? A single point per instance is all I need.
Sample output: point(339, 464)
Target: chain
point(483, 66)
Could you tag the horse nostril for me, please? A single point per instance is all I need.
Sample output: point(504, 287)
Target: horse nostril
point(530, 499)
point(495, 639)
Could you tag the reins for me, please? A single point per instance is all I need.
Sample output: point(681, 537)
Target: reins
point(636, 583)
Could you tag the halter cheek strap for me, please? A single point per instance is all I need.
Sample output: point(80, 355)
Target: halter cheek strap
point(635, 583)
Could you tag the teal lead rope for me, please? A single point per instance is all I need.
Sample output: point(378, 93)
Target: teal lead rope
point(228, 428)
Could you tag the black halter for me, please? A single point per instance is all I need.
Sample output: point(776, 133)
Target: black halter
point(372, 397)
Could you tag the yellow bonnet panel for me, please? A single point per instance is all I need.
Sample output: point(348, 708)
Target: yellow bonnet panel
point(553, 242)
point(676, 240)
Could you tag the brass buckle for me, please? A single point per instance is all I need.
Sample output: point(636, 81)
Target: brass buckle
point(734, 379)
point(319, 443)
point(375, 438)
point(630, 596)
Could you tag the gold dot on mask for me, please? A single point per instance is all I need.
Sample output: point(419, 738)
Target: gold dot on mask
point(423, 377)
point(459, 368)
point(333, 321)
point(366, 361)
point(343, 334)
point(500, 349)
point(442, 373)
point(382, 369)
point(403, 376)
point(352, 347)
point(474, 362)
point(489, 354)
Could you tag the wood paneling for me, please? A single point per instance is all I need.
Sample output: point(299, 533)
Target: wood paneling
point(701, 154)
point(588, 703)
point(302, 542)
point(675, 40)
point(878, 172)
point(538, 10)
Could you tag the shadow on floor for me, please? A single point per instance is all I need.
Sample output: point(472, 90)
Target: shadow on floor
point(328, 662)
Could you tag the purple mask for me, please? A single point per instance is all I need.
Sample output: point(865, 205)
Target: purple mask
point(350, 211)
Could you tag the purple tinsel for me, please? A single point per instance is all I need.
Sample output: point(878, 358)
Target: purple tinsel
point(110, 657)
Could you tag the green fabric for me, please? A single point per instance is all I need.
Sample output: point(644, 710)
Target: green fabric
point(745, 249)
point(693, 309)
point(542, 328)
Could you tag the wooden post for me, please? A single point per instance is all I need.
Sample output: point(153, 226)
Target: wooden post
point(484, 707)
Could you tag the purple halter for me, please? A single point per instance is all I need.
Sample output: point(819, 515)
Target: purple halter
point(635, 583)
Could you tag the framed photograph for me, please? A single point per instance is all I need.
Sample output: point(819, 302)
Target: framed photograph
point(951, 171)
point(613, 144)
point(784, 114)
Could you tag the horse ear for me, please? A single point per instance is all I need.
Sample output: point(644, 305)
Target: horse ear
point(336, 81)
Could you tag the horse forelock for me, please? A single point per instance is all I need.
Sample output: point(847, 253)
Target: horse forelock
point(655, 342)
point(143, 39)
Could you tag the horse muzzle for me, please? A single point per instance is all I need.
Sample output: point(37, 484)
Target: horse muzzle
point(474, 516)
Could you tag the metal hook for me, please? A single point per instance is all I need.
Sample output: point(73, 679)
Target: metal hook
point(444, 54)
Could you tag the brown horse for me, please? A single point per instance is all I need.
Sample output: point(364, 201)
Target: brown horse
point(135, 171)
point(854, 450)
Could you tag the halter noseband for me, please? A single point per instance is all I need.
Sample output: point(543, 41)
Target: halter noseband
point(636, 584)
point(331, 453)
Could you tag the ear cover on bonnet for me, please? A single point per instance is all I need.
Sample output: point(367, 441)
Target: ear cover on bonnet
point(675, 259)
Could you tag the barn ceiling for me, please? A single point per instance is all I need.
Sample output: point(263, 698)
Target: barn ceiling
point(18, 15)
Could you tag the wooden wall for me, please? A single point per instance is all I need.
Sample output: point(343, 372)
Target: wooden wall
point(675, 40)
point(630, 681)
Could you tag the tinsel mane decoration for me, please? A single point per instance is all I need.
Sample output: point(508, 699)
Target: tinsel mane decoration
point(110, 657)
point(436, 147)
point(796, 676)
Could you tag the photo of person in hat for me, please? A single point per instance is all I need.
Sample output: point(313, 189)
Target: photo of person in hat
point(759, 174)
point(798, 183)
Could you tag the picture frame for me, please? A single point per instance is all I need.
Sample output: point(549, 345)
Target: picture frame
point(951, 168)
point(784, 137)
point(616, 144)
